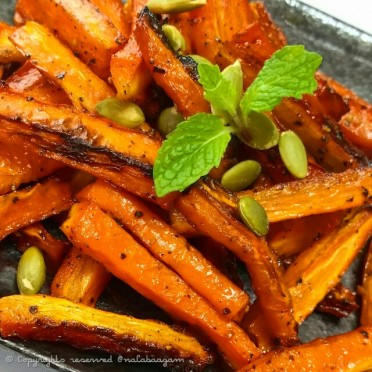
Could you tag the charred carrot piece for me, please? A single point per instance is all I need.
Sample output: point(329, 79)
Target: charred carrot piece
point(21, 163)
point(80, 279)
point(95, 145)
point(113, 10)
point(99, 236)
point(319, 268)
point(128, 70)
point(29, 81)
point(87, 328)
point(8, 52)
point(288, 238)
point(324, 142)
point(167, 70)
point(366, 290)
point(169, 247)
point(210, 217)
point(339, 301)
point(37, 235)
point(351, 351)
point(129, 73)
point(78, 24)
point(58, 62)
point(337, 191)
point(21, 208)
point(181, 225)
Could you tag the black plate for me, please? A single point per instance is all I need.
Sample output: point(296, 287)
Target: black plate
point(346, 55)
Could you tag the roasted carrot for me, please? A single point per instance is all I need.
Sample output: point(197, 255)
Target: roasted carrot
point(181, 225)
point(86, 328)
point(319, 268)
point(339, 301)
point(210, 217)
point(291, 237)
point(356, 121)
point(113, 10)
point(58, 62)
point(347, 352)
point(366, 290)
point(349, 189)
point(169, 247)
point(98, 146)
point(323, 141)
point(21, 208)
point(37, 235)
point(20, 162)
point(99, 236)
point(78, 24)
point(129, 73)
point(8, 52)
point(80, 279)
point(167, 70)
point(29, 81)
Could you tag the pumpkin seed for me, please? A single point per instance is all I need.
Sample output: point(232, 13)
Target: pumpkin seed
point(175, 38)
point(31, 271)
point(254, 216)
point(293, 153)
point(174, 6)
point(127, 114)
point(199, 59)
point(241, 175)
point(259, 132)
point(168, 120)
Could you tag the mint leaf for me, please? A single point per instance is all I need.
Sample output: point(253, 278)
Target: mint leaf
point(209, 75)
point(222, 90)
point(288, 73)
point(190, 151)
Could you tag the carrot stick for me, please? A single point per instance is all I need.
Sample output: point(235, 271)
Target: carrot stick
point(80, 279)
point(80, 26)
point(58, 62)
point(166, 69)
point(366, 290)
point(21, 208)
point(128, 71)
point(350, 189)
point(99, 236)
point(169, 247)
point(95, 145)
point(351, 351)
point(319, 268)
point(37, 235)
point(213, 219)
point(21, 163)
point(8, 52)
point(87, 328)
point(29, 81)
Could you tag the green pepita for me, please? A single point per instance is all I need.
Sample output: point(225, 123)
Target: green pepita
point(175, 38)
point(199, 59)
point(168, 120)
point(241, 175)
point(174, 6)
point(31, 272)
point(259, 132)
point(254, 216)
point(293, 153)
point(127, 114)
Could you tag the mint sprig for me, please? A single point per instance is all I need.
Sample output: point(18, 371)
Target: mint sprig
point(198, 144)
point(190, 151)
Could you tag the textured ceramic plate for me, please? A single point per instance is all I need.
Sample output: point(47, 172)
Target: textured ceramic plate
point(346, 55)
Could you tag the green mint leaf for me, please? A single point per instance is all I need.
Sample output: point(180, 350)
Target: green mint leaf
point(190, 151)
point(222, 90)
point(288, 73)
point(209, 75)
